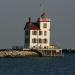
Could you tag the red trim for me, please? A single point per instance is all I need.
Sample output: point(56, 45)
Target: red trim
point(44, 21)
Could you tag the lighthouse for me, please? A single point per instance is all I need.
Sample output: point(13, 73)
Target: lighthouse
point(37, 34)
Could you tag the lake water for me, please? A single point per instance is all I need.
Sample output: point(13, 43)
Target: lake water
point(38, 65)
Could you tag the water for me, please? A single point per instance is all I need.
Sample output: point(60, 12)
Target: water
point(38, 65)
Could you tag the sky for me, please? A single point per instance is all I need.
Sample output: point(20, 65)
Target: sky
point(15, 13)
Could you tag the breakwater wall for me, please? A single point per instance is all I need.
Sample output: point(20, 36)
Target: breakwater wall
point(17, 53)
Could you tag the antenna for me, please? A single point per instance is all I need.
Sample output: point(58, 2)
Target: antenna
point(43, 4)
point(41, 7)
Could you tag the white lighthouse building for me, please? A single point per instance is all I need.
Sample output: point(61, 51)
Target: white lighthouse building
point(37, 34)
point(37, 37)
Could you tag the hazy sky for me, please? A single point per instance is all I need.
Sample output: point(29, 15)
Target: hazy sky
point(14, 14)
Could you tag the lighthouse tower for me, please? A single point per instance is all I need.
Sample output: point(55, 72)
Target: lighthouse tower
point(45, 30)
point(37, 34)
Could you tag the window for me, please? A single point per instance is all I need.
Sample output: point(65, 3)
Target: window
point(40, 40)
point(45, 25)
point(34, 32)
point(40, 32)
point(44, 40)
point(45, 33)
point(44, 46)
point(34, 40)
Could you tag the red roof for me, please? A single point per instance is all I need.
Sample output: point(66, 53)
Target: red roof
point(44, 20)
point(32, 26)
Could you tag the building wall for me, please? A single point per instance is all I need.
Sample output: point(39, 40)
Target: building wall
point(27, 38)
point(31, 37)
point(48, 29)
point(48, 23)
point(41, 45)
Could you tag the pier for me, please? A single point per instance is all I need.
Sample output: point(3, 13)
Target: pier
point(48, 52)
point(30, 52)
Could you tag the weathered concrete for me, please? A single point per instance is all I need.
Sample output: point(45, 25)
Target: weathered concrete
point(32, 52)
point(17, 53)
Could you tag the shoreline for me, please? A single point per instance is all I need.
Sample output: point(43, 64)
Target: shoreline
point(28, 53)
point(18, 53)
point(22, 53)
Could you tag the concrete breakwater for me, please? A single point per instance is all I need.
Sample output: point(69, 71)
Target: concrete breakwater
point(17, 53)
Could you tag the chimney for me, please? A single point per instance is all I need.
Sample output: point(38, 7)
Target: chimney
point(30, 20)
point(38, 19)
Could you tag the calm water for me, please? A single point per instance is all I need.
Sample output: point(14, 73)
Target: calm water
point(38, 65)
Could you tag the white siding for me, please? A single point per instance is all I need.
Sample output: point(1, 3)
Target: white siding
point(41, 36)
point(37, 36)
point(31, 37)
